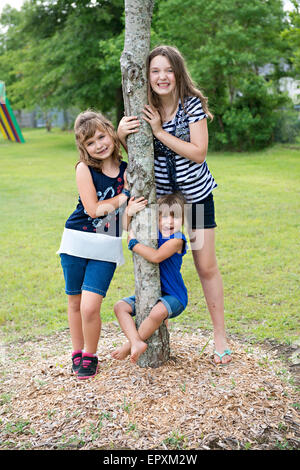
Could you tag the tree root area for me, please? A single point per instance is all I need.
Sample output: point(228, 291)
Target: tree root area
point(188, 403)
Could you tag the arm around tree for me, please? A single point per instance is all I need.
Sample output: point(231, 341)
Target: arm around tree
point(165, 251)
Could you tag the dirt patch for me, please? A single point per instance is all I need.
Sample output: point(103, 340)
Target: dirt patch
point(189, 403)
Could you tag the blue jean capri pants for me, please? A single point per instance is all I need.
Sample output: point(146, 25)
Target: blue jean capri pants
point(173, 306)
point(86, 274)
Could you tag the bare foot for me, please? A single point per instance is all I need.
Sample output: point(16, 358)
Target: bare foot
point(122, 352)
point(137, 348)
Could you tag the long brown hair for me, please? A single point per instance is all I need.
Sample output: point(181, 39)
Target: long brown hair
point(85, 126)
point(185, 86)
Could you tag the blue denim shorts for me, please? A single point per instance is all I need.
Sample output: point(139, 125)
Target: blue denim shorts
point(86, 274)
point(172, 304)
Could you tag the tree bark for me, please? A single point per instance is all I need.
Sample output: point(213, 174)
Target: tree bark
point(140, 172)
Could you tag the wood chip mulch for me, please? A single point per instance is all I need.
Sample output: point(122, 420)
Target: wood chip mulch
point(189, 403)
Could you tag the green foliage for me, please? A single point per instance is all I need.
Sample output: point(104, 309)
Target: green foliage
point(249, 121)
point(225, 45)
point(58, 64)
point(110, 70)
point(287, 126)
point(61, 53)
point(292, 36)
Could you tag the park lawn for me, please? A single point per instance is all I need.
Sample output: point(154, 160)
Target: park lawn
point(257, 211)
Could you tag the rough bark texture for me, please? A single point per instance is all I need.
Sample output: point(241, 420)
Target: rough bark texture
point(140, 172)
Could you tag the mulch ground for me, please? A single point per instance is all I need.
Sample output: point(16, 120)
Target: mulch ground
point(189, 403)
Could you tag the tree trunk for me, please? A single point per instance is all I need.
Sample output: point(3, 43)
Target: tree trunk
point(140, 172)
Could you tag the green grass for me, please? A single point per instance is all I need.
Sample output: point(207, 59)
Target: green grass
point(257, 210)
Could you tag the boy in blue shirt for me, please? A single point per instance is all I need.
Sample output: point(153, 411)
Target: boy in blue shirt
point(174, 298)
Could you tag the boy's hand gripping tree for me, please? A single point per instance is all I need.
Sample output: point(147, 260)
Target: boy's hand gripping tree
point(140, 171)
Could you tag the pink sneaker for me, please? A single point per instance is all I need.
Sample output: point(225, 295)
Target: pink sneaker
point(88, 367)
point(76, 361)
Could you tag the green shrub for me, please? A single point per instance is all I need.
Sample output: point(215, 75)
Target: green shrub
point(287, 128)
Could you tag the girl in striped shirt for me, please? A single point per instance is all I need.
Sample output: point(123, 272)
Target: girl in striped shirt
point(177, 113)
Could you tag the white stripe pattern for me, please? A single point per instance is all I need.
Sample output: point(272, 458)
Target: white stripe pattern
point(194, 180)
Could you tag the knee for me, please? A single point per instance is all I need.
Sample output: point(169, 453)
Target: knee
point(74, 303)
point(90, 312)
point(122, 307)
point(118, 308)
point(158, 316)
point(207, 271)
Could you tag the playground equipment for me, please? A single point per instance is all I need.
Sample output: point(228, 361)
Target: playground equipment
point(8, 124)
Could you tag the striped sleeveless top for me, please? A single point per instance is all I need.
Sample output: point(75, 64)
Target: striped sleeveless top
point(174, 172)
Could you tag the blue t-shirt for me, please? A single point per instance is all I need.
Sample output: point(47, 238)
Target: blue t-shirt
point(170, 275)
point(106, 188)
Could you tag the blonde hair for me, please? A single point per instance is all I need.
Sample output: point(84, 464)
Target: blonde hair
point(172, 204)
point(185, 86)
point(85, 126)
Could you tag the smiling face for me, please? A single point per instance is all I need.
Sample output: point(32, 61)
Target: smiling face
point(171, 209)
point(168, 225)
point(100, 146)
point(96, 139)
point(170, 218)
point(162, 76)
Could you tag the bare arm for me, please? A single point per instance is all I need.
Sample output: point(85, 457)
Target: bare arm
point(163, 252)
point(194, 150)
point(89, 197)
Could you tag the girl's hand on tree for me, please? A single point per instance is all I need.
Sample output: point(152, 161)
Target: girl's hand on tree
point(152, 116)
point(127, 125)
point(136, 205)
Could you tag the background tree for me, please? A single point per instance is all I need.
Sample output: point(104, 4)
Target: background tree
point(292, 35)
point(138, 14)
point(53, 55)
point(288, 124)
point(65, 53)
point(227, 44)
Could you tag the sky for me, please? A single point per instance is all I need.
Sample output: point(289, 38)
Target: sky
point(13, 3)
